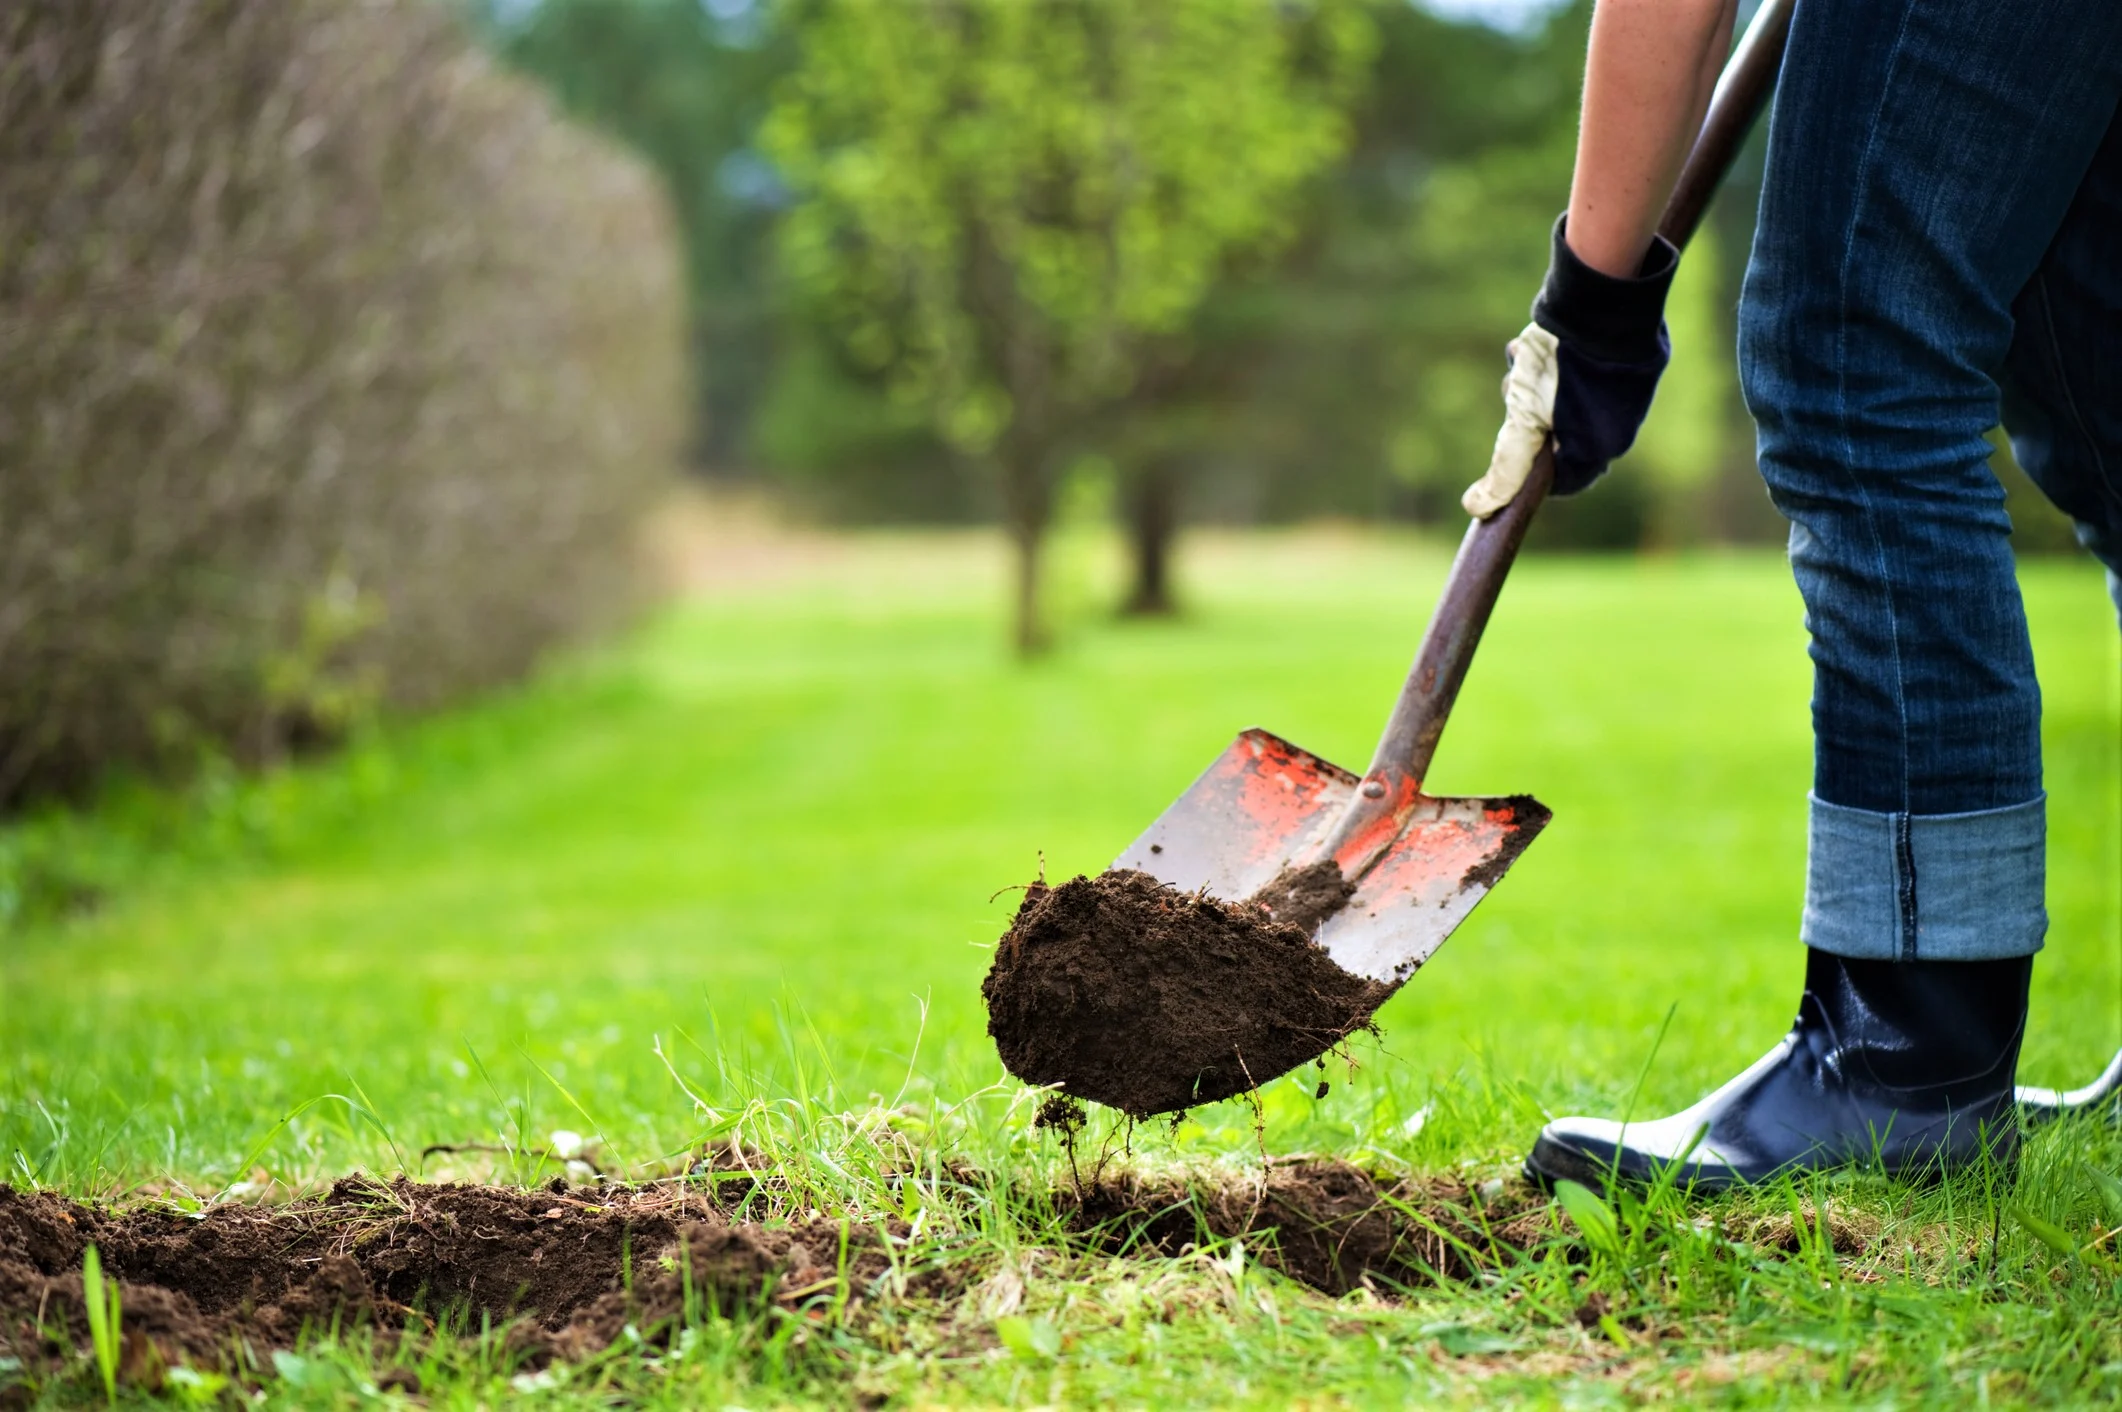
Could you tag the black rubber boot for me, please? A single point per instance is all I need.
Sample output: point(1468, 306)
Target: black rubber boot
point(1904, 1066)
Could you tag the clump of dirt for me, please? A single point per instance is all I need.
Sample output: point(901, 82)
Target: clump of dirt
point(575, 1268)
point(1129, 993)
point(1061, 1114)
point(1327, 1223)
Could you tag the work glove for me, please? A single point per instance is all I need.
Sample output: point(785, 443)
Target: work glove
point(1583, 369)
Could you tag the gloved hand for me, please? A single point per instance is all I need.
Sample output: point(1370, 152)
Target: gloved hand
point(1584, 368)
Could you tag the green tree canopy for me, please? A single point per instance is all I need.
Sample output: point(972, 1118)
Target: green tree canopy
point(1003, 206)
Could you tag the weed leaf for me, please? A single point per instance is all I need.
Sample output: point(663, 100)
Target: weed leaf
point(1028, 1338)
point(1460, 1341)
point(1591, 1216)
point(2110, 1192)
point(2048, 1233)
point(194, 1388)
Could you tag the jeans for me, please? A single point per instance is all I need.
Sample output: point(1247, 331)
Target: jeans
point(1939, 251)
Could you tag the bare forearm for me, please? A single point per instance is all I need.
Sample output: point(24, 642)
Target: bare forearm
point(1652, 66)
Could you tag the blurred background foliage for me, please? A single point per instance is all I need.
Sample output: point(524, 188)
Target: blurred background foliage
point(336, 371)
point(1007, 214)
point(1347, 366)
point(344, 344)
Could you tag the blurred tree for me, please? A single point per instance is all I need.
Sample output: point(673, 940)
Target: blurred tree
point(1006, 208)
point(1160, 438)
point(1346, 364)
point(1358, 374)
point(336, 372)
point(685, 83)
point(1353, 373)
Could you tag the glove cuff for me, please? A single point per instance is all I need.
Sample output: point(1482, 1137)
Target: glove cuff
point(1613, 320)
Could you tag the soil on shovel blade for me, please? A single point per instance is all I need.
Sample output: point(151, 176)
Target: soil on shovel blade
point(1132, 994)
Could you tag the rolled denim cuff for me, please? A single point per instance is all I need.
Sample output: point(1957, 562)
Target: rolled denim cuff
point(1927, 887)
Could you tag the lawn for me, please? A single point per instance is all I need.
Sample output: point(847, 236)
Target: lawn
point(749, 860)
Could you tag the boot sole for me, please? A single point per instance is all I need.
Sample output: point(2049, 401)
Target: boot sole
point(1550, 1162)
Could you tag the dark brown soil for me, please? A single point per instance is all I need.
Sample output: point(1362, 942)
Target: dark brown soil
point(1329, 1224)
point(1131, 994)
point(575, 1268)
point(1305, 897)
point(567, 1272)
point(1531, 816)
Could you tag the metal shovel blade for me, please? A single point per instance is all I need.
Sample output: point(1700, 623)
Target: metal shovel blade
point(1420, 863)
point(1266, 804)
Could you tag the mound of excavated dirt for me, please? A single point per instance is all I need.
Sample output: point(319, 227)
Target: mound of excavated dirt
point(375, 1253)
point(239, 1281)
point(1329, 1224)
point(1131, 994)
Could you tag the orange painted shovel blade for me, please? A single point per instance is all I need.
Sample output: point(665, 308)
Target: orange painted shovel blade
point(1265, 804)
point(1422, 887)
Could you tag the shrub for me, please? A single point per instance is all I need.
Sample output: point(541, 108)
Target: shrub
point(335, 370)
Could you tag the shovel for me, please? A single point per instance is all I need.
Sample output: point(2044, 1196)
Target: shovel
point(1419, 862)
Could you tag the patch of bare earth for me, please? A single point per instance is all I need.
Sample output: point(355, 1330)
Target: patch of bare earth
point(1327, 1223)
point(568, 1270)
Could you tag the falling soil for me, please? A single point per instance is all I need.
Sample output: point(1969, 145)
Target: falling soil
point(572, 1268)
point(1129, 993)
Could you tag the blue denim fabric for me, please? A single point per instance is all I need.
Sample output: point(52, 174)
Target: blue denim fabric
point(1939, 250)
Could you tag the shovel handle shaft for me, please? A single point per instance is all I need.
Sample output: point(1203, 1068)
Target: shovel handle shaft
point(1470, 592)
point(1490, 546)
point(1742, 91)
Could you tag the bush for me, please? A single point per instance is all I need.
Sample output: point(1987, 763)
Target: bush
point(335, 370)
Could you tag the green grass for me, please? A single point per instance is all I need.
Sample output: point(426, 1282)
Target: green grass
point(765, 834)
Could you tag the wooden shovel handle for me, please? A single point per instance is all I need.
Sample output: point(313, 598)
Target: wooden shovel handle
point(1485, 555)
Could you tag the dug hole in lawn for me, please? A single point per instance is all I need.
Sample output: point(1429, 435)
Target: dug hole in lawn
point(569, 1272)
point(565, 1273)
point(1130, 993)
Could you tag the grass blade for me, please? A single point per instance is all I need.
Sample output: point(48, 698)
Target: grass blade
point(2110, 1191)
point(1592, 1216)
point(101, 1298)
point(2047, 1232)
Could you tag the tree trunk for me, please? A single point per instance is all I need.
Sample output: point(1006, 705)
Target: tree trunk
point(1025, 502)
point(1153, 523)
point(1031, 636)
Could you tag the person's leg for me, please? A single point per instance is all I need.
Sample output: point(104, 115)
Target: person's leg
point(1918, 174)
point(2062, 399)
point(1922, 155)
point(2062, 382)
